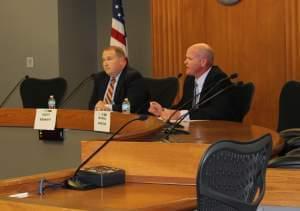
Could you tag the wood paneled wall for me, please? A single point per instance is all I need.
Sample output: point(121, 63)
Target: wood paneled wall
point(259, 39)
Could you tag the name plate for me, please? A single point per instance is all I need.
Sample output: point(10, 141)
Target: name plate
point(45, 119)
point(102, 121)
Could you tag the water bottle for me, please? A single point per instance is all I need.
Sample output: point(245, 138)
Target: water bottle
point(51, 102)
point(126, 106)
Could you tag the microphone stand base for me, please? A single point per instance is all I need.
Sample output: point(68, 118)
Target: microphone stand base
point(96, 177)
point(52, 135)
point(176, 131)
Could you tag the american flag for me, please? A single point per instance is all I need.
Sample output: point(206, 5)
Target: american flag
point(118, 32)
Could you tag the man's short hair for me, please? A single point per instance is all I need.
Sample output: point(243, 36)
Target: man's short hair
point(119, 51)
point(205, 50)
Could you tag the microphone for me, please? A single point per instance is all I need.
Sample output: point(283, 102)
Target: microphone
point(213, 86)
point(84, 81)
point(13, 89)
point(209, 89)
point(201, 103)
point(179, 75)
point(84, 181)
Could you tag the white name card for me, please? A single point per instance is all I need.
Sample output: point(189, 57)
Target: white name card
point(45, 119)
point(102, 121)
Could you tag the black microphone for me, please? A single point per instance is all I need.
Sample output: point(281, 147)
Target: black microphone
point(207, 91)
point(13, 89)
point(84, 81)
point(75, 182)
point(199, 104)
point(179, 75)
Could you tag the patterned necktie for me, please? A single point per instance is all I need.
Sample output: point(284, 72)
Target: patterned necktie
point(196, 98)
point(110, 90)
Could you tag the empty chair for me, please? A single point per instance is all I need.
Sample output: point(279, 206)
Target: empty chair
point(289, 112)
point(291, 160)
point(162, 90)
point(289, 115)
point(243, 95)
point(231, 175)
point(35, 92)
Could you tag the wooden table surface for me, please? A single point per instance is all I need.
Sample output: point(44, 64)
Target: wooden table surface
point(209, 132)
point(282, 190)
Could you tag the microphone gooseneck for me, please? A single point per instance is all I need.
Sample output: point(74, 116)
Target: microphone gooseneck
point(84, 81)
point(199, 104)
point(141, 118)
point(209, 89)
point(13, 89)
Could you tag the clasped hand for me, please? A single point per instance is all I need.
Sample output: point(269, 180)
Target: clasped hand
point(164, 113)
point(101, 106)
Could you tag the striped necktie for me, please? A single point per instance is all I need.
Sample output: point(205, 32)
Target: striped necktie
point(196, 98)
point(110, 90)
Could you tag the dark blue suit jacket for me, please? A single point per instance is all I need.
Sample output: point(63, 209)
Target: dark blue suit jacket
point(219, 108)
point(129, 86)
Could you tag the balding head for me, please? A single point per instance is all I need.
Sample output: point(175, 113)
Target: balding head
point(204, 51)
point(199, 58)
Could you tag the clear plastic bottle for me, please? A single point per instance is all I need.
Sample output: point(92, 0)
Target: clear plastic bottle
point(51, 102)
point(126, 106)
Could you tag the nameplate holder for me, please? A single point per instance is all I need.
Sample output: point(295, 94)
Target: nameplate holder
point(45, 119)
point(102, 121)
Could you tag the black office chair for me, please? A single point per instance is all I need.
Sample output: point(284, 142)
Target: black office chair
point(289, 115)
point(289, 106)
point(243, 95)
point(35, 92)
point(162, 90)
point(231, 175)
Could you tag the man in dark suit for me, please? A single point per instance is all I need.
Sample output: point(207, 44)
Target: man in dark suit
point(201, 74)
point(117, 82)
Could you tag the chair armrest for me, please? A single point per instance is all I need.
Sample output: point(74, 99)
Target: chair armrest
point(290, 133)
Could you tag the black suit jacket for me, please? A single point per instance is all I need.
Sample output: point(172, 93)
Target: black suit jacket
point(219, 108)
point(129, 86)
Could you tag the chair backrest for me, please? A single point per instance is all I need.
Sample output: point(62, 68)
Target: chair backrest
point(289, 106)
point(243, 95)
point(231, 175)
point(35, 92)
point(162, 90)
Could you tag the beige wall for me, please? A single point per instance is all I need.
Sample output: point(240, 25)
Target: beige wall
point(77, 47)
point(27, 28)
point(65, 38)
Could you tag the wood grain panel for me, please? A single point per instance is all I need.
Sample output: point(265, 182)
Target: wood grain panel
point(167, 33)
point(154, 159)
point(258, 39)
point(292, 19)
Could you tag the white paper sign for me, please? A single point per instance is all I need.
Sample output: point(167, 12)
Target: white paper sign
point(102, 121)
point(45, 119)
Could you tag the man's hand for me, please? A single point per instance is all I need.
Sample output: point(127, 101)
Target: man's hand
point(155, 108)
point(101, 106)
point(166, 113)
